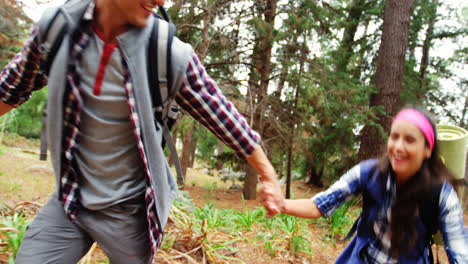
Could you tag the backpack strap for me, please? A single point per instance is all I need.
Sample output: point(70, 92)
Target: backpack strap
point(429, 210)
point(161, 84)
point(366, 203)
point(52, 40)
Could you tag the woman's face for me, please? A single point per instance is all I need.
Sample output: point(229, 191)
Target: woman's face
point(406, 149)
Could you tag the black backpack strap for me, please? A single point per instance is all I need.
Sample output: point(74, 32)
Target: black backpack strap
point(352, 230)
point(160, 80)
point(365, 202)
point(52, 40)
point(429, 210)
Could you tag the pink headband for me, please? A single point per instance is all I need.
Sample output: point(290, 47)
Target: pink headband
point(419, 120)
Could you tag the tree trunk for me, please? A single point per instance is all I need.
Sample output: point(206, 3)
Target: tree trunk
point(219, 162)
point(425, 50)
point(346, 47)
point(261, 59)
point(297, 83)
point(463, 120)
point(194, 145)
point(250, 183)
point(187, 139)
point(465, 193)
point(389, 74)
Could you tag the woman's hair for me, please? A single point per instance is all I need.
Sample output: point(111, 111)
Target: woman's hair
point(417, 190)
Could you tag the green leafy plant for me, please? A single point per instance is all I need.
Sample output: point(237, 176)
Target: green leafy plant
point(27, 119)
point(272, 242)
point(214, 217)
point(193, 183)
point(13, 228)
point(343, 218)
point(247, 218)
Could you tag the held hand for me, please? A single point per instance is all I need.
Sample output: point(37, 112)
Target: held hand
point(272, 197)
point(270, 191)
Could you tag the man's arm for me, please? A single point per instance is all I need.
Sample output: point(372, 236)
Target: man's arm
point(22, 75)
point(4, 108)
point(202, 99)
point(271, 193)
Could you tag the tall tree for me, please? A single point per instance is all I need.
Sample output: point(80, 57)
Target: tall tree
point(345, 50)
point(197, 25)
point(13, 21)
point(263, 23)
point(389, 74)
point(14, 24)
point(427, 44)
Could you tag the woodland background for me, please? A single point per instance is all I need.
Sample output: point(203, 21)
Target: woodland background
point(318, 79)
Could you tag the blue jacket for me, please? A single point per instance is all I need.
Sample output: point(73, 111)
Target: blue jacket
point(373, 197)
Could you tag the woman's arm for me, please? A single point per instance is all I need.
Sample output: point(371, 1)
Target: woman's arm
point(325, 203)
point(452, 226)
point(305, 208)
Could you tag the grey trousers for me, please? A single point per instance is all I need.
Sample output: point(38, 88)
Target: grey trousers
point(120, 230)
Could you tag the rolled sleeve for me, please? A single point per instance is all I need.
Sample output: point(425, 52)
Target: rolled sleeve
point(22, 76)
point(452, 226)
point(331, 199)
point(203, 100)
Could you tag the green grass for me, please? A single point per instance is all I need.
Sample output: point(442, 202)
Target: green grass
point(217, 232)
point(280, 234)
point(13, 229)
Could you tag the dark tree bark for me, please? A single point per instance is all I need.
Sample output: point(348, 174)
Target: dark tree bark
point(261, 59)
point(219, 162)
point(389, 75)
point(346, 47)
point(194, 146)
point(426, 48)
point(296, 83)
point(463, 119)
point(313, 177)
point(250, 183)
point(187, 142)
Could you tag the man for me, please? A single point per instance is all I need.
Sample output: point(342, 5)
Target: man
point(113, 182)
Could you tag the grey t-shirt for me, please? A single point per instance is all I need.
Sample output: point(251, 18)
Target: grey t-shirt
point(107, 154)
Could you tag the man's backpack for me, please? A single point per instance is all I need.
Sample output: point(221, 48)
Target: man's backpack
point(160, 77)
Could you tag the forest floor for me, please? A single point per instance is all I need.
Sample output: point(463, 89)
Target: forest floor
point(27, 182)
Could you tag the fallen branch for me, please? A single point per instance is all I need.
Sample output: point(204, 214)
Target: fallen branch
point(9, 229)
point(29, 151)
point(189, 258)
point(27, 203)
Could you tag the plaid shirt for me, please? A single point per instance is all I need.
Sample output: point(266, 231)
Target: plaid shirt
point(198, 95)
point(450, 216)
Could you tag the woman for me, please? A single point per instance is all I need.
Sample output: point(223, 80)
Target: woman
point(406, 198)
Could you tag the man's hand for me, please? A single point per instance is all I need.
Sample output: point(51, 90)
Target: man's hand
point(272, 197)
point(271, 194)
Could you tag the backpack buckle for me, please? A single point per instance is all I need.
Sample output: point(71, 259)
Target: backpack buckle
point(44, 48)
